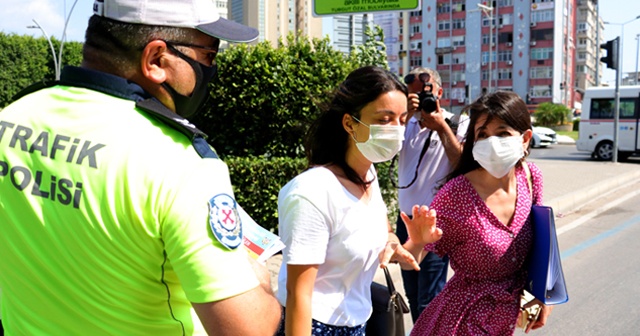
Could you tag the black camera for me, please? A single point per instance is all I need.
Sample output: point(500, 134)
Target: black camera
point(427, 99)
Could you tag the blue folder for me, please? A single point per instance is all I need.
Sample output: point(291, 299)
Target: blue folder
point(545, 277)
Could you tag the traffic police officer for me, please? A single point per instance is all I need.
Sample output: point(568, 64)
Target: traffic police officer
point(116, 216)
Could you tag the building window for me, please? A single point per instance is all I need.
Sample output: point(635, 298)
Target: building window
point(415, 61)
point(541, 72)
point(444, 7)
point(582, 56)
point(443, 42)
point(458, 6)
point(505, 37)
point(415, 28)
point(583, 27)
point(444, 25)
point(485, 74)
point(458, 58)
point(486, 38)
point(582, 42)
point(486, 21)
point(504, 73)
point(542, 15)
point(542, 35)
point(458, 23)
point(540, 91)
point(416, 13)
point(504, 55)
point(504, 3)
point(457, 76)
point(458, 41)
point(541, 53)
point(505, 19)
point(444, 59)
point(485, 57)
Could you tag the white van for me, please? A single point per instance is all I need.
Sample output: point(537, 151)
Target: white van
point(596, 123)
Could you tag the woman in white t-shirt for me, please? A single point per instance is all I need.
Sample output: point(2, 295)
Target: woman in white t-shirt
point(332, 217)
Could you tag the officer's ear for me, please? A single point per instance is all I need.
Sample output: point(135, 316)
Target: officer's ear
point(155, 61)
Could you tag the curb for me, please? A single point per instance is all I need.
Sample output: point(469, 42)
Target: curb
point(578, 198)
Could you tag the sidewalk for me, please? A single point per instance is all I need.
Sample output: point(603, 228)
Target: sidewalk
point(567, 186)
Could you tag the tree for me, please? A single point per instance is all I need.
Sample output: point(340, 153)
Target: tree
point(265, 98)
point(25, 60)
point(373, 51)
point(550, 114)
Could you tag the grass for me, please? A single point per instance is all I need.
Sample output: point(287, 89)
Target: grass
point(572, 134)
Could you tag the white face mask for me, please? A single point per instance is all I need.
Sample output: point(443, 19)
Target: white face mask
point(384, 142)
point(498, 154)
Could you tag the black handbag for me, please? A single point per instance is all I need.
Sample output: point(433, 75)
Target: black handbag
point(389, 307)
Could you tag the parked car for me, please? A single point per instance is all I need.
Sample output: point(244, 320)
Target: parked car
point(543, 137)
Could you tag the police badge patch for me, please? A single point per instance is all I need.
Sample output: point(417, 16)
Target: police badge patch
point(224, 220)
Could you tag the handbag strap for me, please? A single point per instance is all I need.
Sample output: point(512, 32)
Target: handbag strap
point(390, 286)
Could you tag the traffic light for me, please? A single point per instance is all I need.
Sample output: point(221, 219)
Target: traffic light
point(611, 60)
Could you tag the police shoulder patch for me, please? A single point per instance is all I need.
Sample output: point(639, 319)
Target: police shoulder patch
point(224, 220)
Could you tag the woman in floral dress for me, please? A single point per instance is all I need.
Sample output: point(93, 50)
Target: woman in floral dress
point(483, 211)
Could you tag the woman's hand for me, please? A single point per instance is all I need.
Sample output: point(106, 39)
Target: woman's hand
point(395, 253)
point(422, 228)
point(545, 311)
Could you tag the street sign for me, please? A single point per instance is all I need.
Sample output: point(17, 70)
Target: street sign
point(335, 7)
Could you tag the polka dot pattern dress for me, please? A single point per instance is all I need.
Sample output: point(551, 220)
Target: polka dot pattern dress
point(488, 259)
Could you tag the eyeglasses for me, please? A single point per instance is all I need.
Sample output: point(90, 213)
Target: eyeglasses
point(423, 77)
point(211, 56)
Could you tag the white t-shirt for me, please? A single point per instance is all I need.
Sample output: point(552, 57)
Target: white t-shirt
point(434, 166)
point(321, 223)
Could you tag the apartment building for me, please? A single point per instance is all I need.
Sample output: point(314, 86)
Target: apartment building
point(526, 46)
point(589, 34)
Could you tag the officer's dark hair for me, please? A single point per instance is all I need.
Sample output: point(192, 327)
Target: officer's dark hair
point(504, 105)
point(116, 46)
point(327, 141)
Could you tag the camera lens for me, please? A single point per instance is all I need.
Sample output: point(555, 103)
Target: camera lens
point(427, 101)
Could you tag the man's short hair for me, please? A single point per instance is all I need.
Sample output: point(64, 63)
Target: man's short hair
point(433, 73)
point(119, 45)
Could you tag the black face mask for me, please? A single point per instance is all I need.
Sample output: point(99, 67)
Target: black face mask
point(187, 106)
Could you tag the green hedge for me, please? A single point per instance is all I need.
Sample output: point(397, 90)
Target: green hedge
point(25, 60)
point(257, 181)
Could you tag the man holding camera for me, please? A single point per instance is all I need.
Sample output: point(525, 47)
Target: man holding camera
point(430, 150)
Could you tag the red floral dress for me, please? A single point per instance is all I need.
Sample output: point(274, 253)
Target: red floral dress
point(487, 257)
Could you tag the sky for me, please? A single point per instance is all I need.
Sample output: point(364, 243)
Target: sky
point(16, 15)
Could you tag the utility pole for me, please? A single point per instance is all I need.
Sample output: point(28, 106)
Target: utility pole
point(597, 43)
point(488, 10)
point(618, 47)
point(57, 60)
point(406, 16)
point(56, 66)
point(637, 54)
